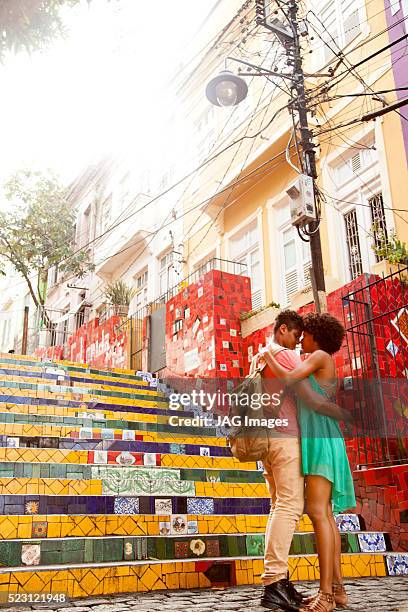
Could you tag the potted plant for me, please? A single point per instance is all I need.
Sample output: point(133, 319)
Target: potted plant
point(119, 295)
point(391, 252)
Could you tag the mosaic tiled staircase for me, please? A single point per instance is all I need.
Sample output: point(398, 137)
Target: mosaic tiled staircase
point(99, 494)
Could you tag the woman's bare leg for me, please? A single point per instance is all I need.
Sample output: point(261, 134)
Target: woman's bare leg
point(318, 495)
point(337, 577)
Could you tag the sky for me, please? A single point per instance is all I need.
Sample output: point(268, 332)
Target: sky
point(98, 89)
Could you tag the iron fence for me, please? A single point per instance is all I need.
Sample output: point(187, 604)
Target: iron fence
point(376, 321)
point(140, 321)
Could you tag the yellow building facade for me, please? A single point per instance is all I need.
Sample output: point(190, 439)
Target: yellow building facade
point(236, 205)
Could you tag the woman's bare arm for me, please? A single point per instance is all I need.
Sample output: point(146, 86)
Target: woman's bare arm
point(316, 361)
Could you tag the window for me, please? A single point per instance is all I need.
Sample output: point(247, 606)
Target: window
point(166, 273)
point(244, 249)
point(353, 244)
point(339, 23)
point(205, 130)
point(296, 262)
point(105, 213)
point(378, 221)
point(141, 290)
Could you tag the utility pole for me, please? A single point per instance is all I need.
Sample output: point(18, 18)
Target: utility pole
point(309, 157)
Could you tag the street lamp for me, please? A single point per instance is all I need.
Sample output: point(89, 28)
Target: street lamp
point(226, 89)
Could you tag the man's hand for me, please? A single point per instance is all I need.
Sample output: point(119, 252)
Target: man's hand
point(320, 403)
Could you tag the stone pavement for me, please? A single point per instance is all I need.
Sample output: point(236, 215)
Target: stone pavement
point(367, 594)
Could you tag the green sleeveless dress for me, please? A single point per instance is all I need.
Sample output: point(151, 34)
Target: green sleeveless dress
point(324, 452)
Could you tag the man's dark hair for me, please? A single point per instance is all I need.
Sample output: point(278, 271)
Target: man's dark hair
point(290, 318)
point(326, 330)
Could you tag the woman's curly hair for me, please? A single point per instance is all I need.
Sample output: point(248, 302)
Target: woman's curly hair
point(326, 330)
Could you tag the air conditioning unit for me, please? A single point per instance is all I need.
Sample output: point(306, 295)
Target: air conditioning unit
point(302, 201)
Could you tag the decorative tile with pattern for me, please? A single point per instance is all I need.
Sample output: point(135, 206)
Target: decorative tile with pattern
point(348, 522)
point(397, 565)
point(126, 505)
point(371, 542)
point(200, 505)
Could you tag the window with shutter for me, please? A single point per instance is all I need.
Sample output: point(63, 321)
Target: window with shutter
point(296, 263)
point(244, 250)
point(378, 221)
point(353, 244)
point(339, 23)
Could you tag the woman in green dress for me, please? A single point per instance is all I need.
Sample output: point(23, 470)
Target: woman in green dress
point(329, 483)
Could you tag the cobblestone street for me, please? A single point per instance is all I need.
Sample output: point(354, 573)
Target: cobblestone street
point(387, 594)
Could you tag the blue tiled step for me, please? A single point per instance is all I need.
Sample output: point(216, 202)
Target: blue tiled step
point(105, 504)
point(173, 448)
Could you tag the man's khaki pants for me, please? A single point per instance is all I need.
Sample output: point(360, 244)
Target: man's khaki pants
point(283, 474)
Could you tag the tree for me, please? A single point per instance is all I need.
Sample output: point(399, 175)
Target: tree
point(38, 232)
point(30, 24)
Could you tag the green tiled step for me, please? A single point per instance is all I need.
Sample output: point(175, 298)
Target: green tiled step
point(92, 472)
point(107, 549)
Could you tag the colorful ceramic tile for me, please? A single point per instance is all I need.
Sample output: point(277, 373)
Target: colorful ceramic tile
point(30, 554)
point(128, 434)
point(128, 550)
point(397, 565)
point(32, 507)
point(255, 545)
point(13, 442)
point(125, 458)
point(371, 542)
point(392, 348)
point(164, 528)
point(177, 449)
point(100, 456)
point(192, 527)
point(107, 434)
point(178, 524)
point(213, 548)
point(85, 432)
point(197, 547)
point(200, 505)
point(213, 476)
point(150, 459)
point(181, 550)
point(126, 505)
point(163, 506)
point(348, 522)
point(39, 529)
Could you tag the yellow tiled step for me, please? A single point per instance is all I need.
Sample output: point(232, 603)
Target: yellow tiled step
point(104, 579)
point(61, 486)
point(52, 431)
point(97, 386)
point(100, 525)
point(56, 363)
point(45, 455)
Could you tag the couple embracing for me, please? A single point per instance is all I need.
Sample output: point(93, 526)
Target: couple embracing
point(307, 460)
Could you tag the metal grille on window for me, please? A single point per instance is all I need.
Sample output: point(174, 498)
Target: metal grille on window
point(353, 244)
point(378, 221)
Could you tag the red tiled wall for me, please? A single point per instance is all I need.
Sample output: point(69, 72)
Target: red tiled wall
point(103, 346)
point(382, 496)
point(208, 343)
